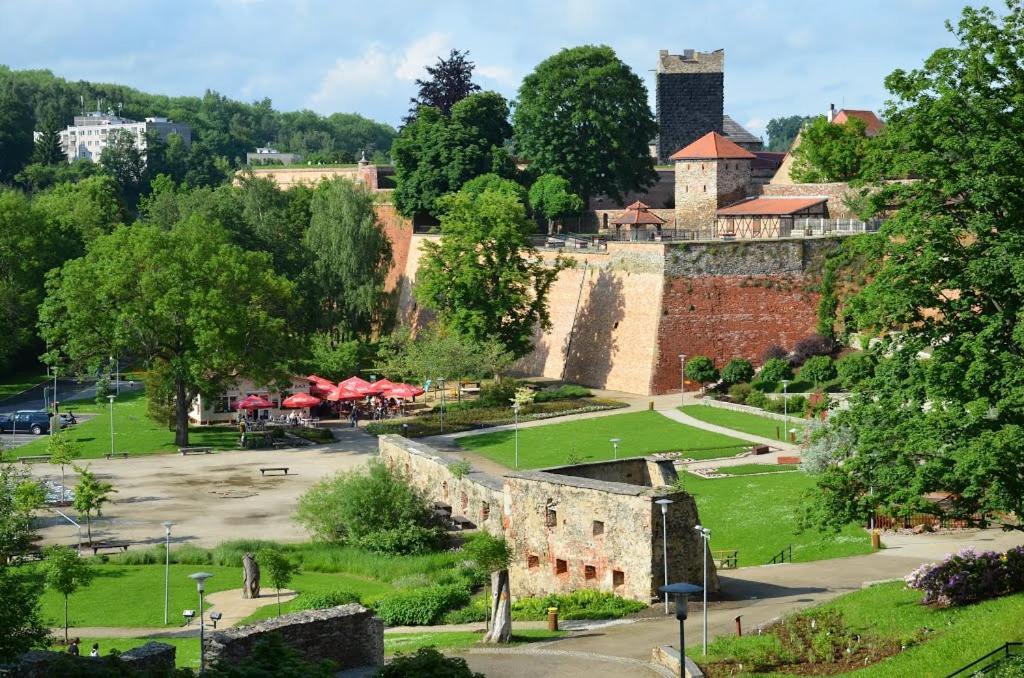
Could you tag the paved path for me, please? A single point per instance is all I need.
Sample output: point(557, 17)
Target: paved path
point(235, 608)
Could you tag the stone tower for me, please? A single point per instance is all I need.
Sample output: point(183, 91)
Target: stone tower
point(690, 98)
point(711, 172)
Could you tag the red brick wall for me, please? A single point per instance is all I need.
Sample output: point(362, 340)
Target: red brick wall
point(399, 232)
point(730, 316)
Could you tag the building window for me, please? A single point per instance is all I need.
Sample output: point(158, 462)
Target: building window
point(551, 516)
point(532, 562)
point(223, 404)
point(485, 510)
point(618, 578)
point(561, 566)
point(705, 188)
point(444, 489)
point(598, 527)
point(589, 572)
point(463, 500)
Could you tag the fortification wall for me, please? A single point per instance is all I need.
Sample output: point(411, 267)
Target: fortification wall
point(398, 229)
point(351, 636)
point(409, 311)
point(287, 176)
point(735, 299)
point(836, 192)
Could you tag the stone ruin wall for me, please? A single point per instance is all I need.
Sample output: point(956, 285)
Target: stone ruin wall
point(736, 299)
point(476, 496)
point(351, 636)
point(642, 471)
point(837, 193)
point(154, 659)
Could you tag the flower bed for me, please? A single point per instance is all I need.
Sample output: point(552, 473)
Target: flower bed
point(968, 577)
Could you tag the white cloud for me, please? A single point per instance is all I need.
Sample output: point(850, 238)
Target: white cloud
point(422, 53)
point(349, 80)
point(499, 74)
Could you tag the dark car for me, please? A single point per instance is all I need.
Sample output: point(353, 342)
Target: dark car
point(32, 422)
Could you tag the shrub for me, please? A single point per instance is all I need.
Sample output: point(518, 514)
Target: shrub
point(426, 663)
point(794, 405)
point(580, 604)
point(774, 351)
point(324, 600)
point(811, 346)
point(498, 393)
point(737, 371)
point(567, 392)
point(968, 577)
point(1009, 668)
point(421, 607)
point(102, 390)
point(757, 399)
point(376, 509)
point(855, 368)
point(740, 392)
point(817, 404)
point(460, 469)
point(701, 369)
point(772, 372)
point(818, 369)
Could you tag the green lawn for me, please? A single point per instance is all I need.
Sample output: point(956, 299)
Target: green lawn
point(134, 432)
point(186, 655)
point(742, 421)
point(588, 439)
point(368, 590)
point(24, 378)
point(458, 640)
point(758, 516)
point(750, 469)
point(957, 636)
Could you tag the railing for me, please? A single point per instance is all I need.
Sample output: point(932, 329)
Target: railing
point(993, 658)
point(822, 226)
point(782, 556)
point(797, 228)
point(726, 559)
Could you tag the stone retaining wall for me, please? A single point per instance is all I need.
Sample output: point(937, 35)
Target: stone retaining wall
point(154, 660)
point(350, 636)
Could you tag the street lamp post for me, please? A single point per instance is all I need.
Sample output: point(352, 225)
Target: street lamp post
point(615, 447)
point(167, 564)
point(785, 407)
point(682, 380)
point(200, 579)
point(663, 503)
point(705, 535)
point(515, 412)
point(682, 592)
point(111, 399)
point(441, 382)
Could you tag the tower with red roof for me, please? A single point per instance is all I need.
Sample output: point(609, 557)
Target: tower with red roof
point(710, 173)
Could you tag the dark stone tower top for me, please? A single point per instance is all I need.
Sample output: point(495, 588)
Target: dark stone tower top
point(690, 98)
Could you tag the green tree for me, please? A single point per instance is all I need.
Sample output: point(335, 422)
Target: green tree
point(830, 152)
point(773, 371)
point(82, 211)
point(737, 371)
point(350, 258)
point(782, 131)
point(16, 125)
point(65, 572)
point(46, 149)
point(90, 496)
point(450, 81)
point(484, 278)
point(187, 297)
point(278, 568)
point(950, 283)
point(855, 368)
point(552, 196)
point(426, 663)
point(490, 554)
point(62, 451)
point(818, 369)
point(21, 628)
point(435, 155)
point(701, 369)
point(441, 352)
point(124, 161)
point(18, 498)
point(583, 115)
point(36, 177)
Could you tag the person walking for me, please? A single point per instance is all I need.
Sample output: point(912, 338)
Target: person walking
point(354, 417)
point(73, 647)
point(95, 652)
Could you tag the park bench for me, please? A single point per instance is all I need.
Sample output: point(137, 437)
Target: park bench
point(462, 523)
point(37, 458)
point(109, 546)
point(185, 451)
point(122, 455)
point(284, 469)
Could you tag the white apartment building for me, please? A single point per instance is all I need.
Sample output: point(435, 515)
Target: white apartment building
point(87, 137)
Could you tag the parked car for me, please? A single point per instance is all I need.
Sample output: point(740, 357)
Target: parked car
point(25, 421)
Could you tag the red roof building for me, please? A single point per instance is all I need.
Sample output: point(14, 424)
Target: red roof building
point(768, 217)
point(712, 146)
point(873, 126)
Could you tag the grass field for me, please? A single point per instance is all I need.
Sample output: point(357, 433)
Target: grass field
point(588, 439)
point(751, 469)
point(758, 516)
point(741, 421)
point(134, 432)
point(186, 654)
point(958, 635)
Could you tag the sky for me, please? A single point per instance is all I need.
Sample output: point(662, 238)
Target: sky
point(783, 57)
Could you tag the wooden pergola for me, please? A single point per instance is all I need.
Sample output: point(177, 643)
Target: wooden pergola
point(635, 216)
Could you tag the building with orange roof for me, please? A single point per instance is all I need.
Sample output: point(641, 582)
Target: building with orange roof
point(712, 172)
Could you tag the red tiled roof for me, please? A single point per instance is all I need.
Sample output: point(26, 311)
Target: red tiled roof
point(767, 159)
point(637, 214)
point(769, 206)
point(874, 125)
point(712, 146)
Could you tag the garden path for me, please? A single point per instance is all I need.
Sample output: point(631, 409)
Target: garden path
point(235, 608)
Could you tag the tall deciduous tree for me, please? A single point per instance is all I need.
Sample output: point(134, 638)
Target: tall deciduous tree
point(782, 131)
point(187, 297)
point(350, 255)
point(484, 278)
point(830, 152)
point(450, 81)
point(552, 196)
point(951, 282)
point(583, 115)
point(123, 160)
point(436, 155)
point(90, 496)
point(441, 352)
point(66, 572)
point(16, 123)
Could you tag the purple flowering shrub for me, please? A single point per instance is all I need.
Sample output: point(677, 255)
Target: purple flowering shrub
point(968, 577)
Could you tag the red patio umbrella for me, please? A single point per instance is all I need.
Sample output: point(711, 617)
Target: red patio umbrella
point(341, 393)
point(403, 391)
point(380, 386)
point(252, 402)
point(319, 385)
point(355, 384)
point(300, 400)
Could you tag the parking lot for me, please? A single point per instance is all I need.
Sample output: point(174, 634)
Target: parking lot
point(10, 440)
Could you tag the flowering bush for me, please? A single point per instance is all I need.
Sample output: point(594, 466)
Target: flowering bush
point(967, 577)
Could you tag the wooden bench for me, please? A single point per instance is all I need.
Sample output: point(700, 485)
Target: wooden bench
point(96, 548)
point(122, 455)
point(185, 451)
point(284, 469)
point(37, 458)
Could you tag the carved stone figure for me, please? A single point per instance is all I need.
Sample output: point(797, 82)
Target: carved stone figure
point(250, 576)
point(501, 609)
